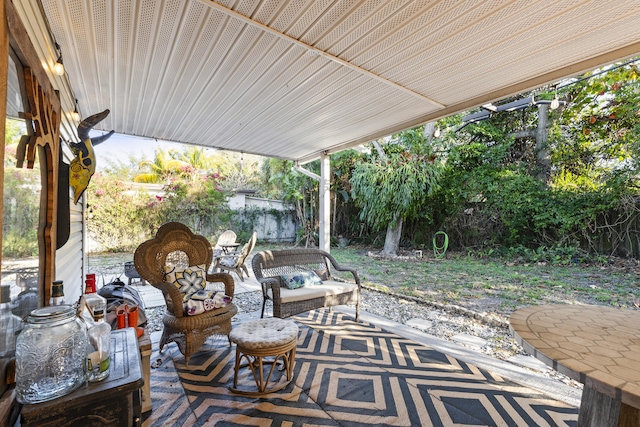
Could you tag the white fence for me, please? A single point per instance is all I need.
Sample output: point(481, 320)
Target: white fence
point(275, 221)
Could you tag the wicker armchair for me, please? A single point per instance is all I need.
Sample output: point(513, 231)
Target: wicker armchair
point(176, 245)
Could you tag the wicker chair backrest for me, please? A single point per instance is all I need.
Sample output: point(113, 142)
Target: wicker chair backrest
point(276, 263)
point(174, 244)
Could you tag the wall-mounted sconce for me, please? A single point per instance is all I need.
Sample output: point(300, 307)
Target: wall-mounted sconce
point(58, 67)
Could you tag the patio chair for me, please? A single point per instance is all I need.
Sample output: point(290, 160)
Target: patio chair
point(236, 261)
point(175, 246)
point(132, 274)
point(228, 237)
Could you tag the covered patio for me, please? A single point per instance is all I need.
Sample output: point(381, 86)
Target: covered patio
point(300, 80)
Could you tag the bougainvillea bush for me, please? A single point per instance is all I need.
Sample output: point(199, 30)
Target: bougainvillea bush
point(120, 215)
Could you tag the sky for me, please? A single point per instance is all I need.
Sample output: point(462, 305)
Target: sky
point(121, 147)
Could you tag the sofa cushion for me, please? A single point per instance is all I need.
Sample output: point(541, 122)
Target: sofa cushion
point(328, 287)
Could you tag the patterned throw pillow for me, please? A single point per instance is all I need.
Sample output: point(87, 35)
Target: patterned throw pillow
point(189, 280)
point(300, 279)
point(205, 300)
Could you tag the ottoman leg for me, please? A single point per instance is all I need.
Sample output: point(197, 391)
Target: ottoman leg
point(290, 363)
point(236, 368)
point(262, 384)
point(255, 362)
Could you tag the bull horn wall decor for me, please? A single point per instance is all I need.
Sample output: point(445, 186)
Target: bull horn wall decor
point(83, 165)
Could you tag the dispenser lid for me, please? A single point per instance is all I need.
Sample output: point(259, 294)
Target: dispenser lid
point(51, 314)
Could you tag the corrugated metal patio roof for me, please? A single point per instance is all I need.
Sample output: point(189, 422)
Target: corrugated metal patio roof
point(294, 78)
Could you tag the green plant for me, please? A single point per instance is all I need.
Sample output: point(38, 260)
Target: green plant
point(392, 189)
point(116, 214)
point(120, 217)
point(498, 284)
point(21, 205)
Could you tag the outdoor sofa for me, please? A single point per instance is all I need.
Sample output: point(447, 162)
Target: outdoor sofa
point(276, 270)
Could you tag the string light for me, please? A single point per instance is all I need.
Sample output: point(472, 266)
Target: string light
point(58, 67)
point(75, 115)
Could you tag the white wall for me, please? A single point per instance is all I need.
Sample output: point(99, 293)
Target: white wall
point(270, 227)
point(70, 262)
point(243, 200)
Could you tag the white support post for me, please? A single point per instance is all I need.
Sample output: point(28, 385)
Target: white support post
point(325, 203)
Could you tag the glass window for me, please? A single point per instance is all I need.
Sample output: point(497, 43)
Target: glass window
point(19, 287)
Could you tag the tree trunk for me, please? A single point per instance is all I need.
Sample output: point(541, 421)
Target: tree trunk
point(392, 241)
point(335, 214)
point(378, 147)
point(428, 131)
point(543, 158)
point(523, 134)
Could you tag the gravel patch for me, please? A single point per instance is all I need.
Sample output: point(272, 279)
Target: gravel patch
point(447, 322)
point(443, 324)
point(439, 322)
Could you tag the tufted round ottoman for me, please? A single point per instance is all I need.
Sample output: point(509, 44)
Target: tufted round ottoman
point(256, 339)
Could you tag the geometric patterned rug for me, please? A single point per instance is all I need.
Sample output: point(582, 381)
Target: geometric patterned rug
point(346, 374)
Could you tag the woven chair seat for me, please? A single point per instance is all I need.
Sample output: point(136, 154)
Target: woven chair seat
point(263, 342)
point(264, 333)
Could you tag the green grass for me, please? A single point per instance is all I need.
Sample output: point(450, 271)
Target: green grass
point(482, 285)
point(495, 286)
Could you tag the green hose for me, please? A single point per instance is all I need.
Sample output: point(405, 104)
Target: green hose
point(440, 251)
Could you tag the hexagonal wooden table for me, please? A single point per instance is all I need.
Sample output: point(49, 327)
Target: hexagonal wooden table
point(596, 345)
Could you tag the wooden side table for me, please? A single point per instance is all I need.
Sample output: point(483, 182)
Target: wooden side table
point(116, 401)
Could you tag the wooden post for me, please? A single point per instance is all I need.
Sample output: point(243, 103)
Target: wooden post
point(7, 399)
point(45, 108)
point(597, 409)
point(4, 77)
point(325, 203)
